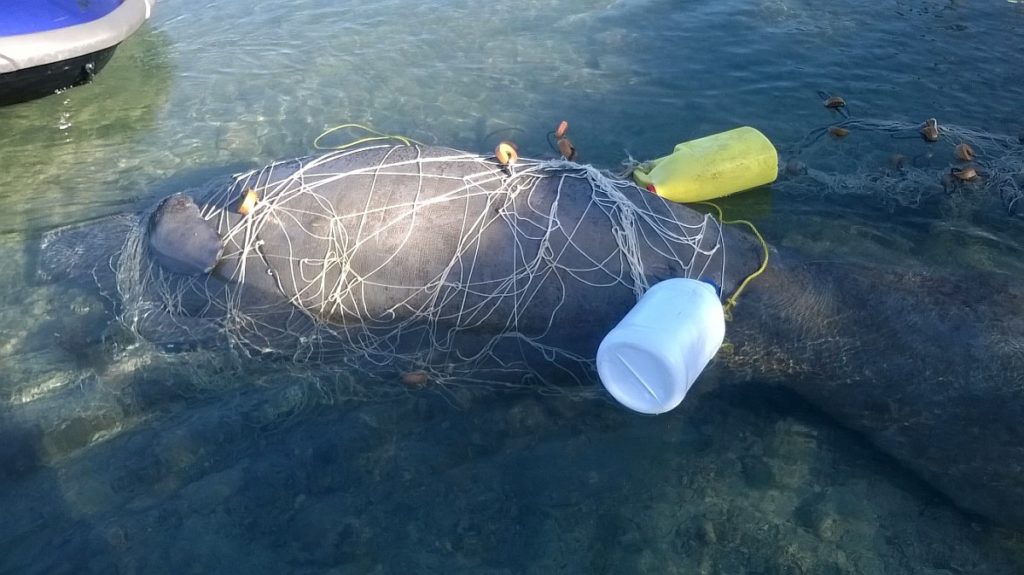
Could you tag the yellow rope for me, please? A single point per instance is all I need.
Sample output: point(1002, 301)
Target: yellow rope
point(375, 137)
point(730, 302)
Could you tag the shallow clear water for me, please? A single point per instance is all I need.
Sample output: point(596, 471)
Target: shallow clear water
point(118, 460)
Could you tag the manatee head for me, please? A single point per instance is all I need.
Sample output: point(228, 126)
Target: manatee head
point(180, 240)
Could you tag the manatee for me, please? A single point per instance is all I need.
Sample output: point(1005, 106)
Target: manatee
point(180, 239)
point(398, 259)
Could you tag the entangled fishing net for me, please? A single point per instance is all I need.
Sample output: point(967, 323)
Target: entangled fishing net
point(890, 162)
point(423, 264)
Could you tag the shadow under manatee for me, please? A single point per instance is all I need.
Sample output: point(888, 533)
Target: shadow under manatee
point(743, 479)
point(927, 363)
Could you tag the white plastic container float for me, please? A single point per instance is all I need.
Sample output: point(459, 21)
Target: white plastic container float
point(652, 357)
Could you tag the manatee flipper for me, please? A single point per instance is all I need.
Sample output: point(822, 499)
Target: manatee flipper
point(82, 249)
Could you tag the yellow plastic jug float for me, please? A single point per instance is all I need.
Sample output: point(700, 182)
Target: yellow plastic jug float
point(712, 167)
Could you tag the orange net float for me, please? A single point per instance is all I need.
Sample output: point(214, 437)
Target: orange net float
point(506, 153)
point(566, 148)
point(930, 131)
point(248, 202)
point(415, 379)
point(964, 153)
point(834, 103)
point(562, 128)
point(838, 131)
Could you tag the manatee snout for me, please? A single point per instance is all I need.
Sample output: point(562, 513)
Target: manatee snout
point(180, 239)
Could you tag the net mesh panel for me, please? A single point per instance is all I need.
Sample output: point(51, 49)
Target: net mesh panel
point(890, 162)
point(436, 264)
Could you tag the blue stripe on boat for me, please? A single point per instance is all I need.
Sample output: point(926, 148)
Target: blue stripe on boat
point(28, 16)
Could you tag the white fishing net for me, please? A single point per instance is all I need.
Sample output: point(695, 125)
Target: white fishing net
point(424, 265)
